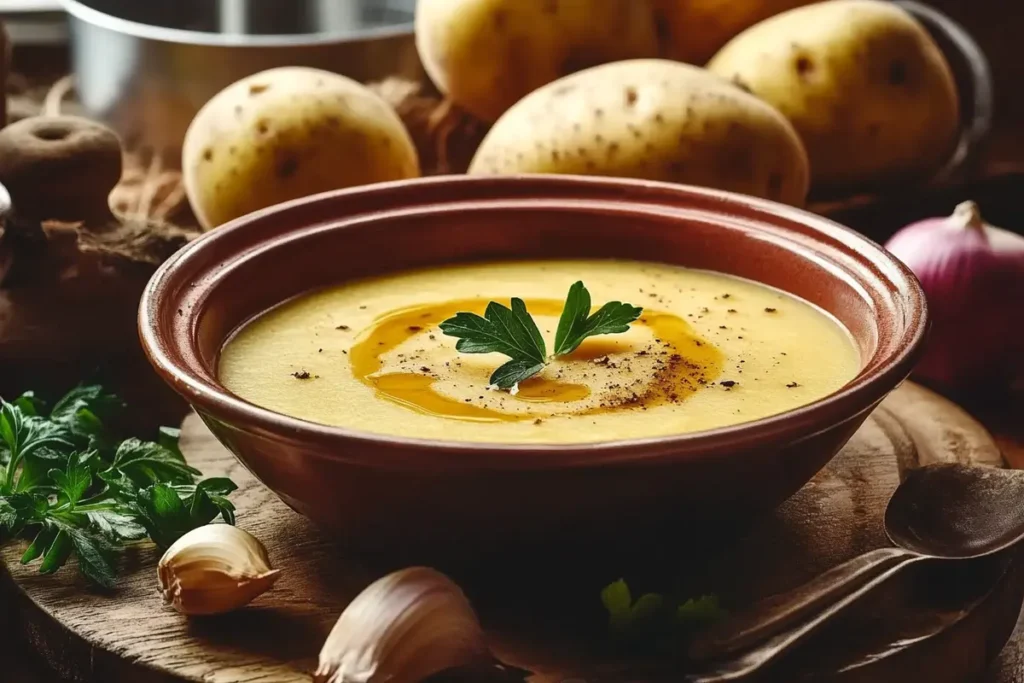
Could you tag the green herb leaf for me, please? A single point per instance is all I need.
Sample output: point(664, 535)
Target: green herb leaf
point(508, 331)
point(31, 508)
point(514, 372)
point(207, 501)
point(148, 463)
point(8, 517)
point(73, 482)
point(40, 544)
point(57, 554)
point(576, 324)
point(30, 434)
point(95, 556)
point(29, 403)
point(617, 598)
point(92, 398)
point(513, 332)
point(653, 620)
point(169, 438)
point(117, 526)
point(167, 516)
point(700, 612)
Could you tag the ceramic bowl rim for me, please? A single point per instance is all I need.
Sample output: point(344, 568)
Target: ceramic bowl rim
point(858, 395)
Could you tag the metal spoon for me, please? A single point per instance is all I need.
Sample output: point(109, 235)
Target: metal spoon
point(945, 512)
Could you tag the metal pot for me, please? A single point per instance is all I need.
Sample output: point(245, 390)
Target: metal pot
point(146, 67)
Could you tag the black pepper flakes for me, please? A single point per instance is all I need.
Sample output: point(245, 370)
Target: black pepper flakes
point(343, 327)
point(770, 310)
point(728, 383)
point(301, 374)
point(792, 385)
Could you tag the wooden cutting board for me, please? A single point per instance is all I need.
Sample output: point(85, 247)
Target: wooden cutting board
point(937, 625)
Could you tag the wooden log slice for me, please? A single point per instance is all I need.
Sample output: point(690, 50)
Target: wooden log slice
point(944, 623)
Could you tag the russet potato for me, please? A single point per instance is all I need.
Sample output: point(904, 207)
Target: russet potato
point(867, 88)
point(651, 119)
point(287, 133)
point(487, 54)
point(698, 28)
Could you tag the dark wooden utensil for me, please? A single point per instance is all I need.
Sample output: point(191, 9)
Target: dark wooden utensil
point(946, 512)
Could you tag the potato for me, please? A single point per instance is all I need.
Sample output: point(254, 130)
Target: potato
point(487, 54)
point(864, 84)
point(698, 28)
point(652, 119)
point(287, 133)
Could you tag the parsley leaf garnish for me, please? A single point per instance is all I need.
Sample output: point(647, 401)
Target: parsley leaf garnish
point(576, 323)
point(72, 486)
point(508, 331)
point(654, 620)
point(512, 332)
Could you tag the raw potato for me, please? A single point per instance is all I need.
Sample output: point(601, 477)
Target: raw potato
point(288, 133)
point(651, 119)
point(698, 28)
point(487, 54)
point(864, 84)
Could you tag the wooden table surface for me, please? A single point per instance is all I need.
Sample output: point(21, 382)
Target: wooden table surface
point(1004, 418)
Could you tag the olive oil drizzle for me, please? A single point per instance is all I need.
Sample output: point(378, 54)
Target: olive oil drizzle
point(693, 361)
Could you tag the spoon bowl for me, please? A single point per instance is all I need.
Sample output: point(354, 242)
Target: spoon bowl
point(956, 512)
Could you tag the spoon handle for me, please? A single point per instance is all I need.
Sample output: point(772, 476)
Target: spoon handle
point(779, 612)
point(762, 654)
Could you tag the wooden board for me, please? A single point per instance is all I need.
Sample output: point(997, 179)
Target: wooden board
point(542, 621)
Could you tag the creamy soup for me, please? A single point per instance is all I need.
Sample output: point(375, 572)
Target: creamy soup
point(708, 351)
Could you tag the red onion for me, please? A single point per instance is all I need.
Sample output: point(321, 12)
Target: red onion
point(973, 276)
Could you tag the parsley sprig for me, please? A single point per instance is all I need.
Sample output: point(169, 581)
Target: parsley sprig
point(656, 621)
point(68, 483)
point(512, 332)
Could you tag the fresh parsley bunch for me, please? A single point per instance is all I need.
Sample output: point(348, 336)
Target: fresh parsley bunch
point(69, 484)
point(513, 332)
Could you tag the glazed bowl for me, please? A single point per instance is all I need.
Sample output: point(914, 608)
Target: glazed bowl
point(379, 490)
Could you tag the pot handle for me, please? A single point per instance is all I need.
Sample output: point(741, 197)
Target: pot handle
point(974, 84)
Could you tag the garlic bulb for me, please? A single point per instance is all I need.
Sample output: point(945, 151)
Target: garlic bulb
point(214, 569)
point(403, 628)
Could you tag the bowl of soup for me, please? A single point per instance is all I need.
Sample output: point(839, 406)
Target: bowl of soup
point(309, 339)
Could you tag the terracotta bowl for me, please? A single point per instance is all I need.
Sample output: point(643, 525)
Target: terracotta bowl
point(379, 490)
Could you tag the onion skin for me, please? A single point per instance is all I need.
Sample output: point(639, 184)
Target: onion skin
point(973, 276)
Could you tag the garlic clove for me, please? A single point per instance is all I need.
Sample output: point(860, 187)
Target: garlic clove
point(403, 628)
point(214, 569)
